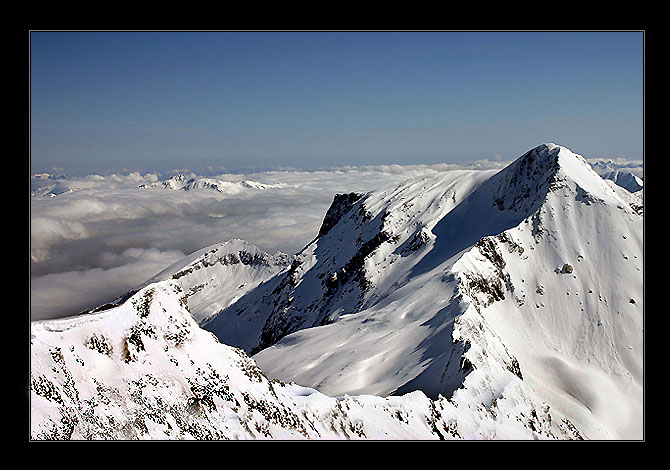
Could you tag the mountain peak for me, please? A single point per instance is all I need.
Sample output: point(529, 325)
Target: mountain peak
point(525, 183)
point(527, 179)
point(550, 152)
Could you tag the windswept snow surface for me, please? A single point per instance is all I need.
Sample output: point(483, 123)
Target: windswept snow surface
point(468, 304)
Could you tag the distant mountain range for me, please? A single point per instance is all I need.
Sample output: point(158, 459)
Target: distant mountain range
point(626, 180)
point(232, 187)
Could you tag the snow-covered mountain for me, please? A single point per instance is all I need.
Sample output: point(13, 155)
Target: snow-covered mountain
point(145, 370)
point(626, 180)
point(533, 272)
point(214, 277)
point(627, 174)
point(182, 182)
point(469, 304)
point(50, 189)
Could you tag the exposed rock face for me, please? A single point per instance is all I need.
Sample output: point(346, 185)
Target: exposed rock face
point(309, 294)
point(342, 203)
point(527, 180)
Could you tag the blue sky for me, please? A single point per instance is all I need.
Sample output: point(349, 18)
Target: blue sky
point(103, 101)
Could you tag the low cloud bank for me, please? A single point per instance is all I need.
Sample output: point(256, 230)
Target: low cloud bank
point(94, 238)
point(105, 235)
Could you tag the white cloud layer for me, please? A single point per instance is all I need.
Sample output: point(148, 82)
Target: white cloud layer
point(104, 235)
point(65, 293)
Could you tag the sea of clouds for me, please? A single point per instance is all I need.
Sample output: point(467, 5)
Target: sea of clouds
point(95, 237)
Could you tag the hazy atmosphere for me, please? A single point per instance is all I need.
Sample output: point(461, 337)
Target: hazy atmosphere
point(105, 101)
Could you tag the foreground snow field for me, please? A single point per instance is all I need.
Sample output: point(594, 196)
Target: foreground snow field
point(470, 304)
point(145, 370)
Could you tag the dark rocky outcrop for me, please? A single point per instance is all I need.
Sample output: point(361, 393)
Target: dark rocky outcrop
point(342, 203)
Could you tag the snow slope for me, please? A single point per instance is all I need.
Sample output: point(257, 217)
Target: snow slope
point(216, 276)
point(465, 283)
point(145, 370)
point(341, 270)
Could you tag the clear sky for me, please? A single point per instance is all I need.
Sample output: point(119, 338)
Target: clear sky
point(103, 101)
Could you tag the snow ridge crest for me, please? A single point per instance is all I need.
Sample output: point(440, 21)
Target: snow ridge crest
point(523, 185)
